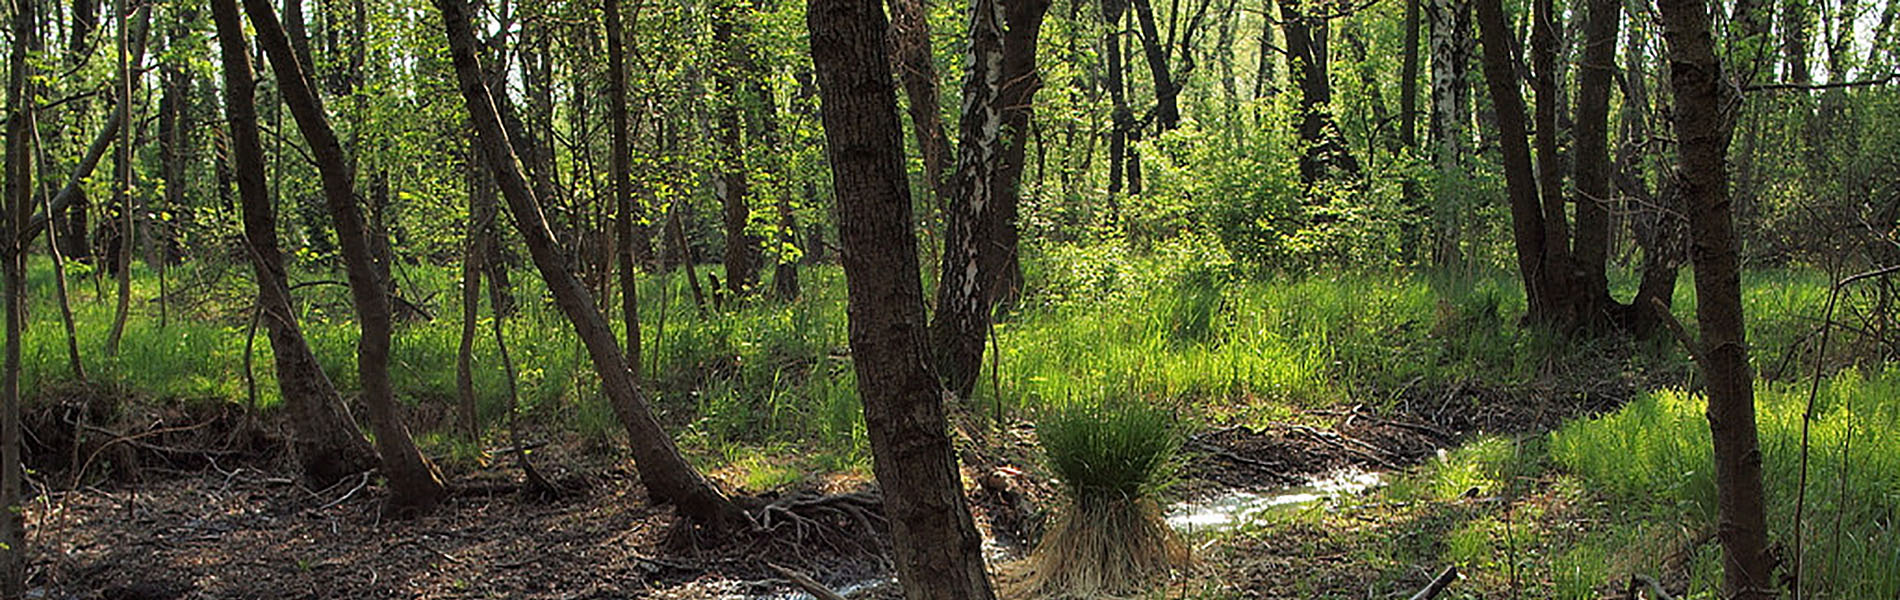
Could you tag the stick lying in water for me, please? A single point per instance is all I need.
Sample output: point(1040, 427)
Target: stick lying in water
point(811, 586)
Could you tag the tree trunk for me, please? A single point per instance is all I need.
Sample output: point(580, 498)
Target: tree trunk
point(917, 69)
point(1447, 19)
point(1557, 268)
point(1167, 90)
point(122, 189)
point(1121, 119)
point(997, 98)
point(1527, 219)
point(622, 144)
point(1325, 154)
point(938, 552)
point(1704, 122)
point(18, 205)
point(665, 473)
point(731, 183)
point(1592, 131)
point(415, 486)
point(325, 438)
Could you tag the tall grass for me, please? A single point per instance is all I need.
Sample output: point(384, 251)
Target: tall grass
point(1656, 452)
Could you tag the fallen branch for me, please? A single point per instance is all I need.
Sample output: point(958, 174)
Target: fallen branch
point(811, 586)
point(1438, 584)
point(1652, 584)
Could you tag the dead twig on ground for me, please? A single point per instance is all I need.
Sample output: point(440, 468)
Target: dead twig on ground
point(1438, 584)
point(811, 586)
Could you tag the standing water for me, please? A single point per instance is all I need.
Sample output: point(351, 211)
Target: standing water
point(1232, 508)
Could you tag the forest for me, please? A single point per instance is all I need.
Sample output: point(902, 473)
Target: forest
point(950, 299)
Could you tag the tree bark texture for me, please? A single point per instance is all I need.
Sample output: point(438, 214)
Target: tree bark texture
point(937, 550)
point(981, 239)
point(18, 205)
point(1704, 123)
point(917, 69)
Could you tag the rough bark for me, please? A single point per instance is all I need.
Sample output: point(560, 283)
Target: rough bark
point(327, 442)
point(415, 486)
point(663, 470)
point(1447, 19)
point(981, 239)
point(1121, 119)
point(938, 553)
point(1704, 124)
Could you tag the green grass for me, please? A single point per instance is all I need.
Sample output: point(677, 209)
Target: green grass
point(1655, 452)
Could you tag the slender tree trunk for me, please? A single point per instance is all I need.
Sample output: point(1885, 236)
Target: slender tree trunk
point(1001, 86)
point(18, 205)
point(1447, 125)
point(415, 486)
point(1415, 206)
point(731, 182)
point(1559, 273)
point(1167, 90)
point(481, 221)
point(1527, 219)
point(1704, 123)
point(327, 442)
point(1121, 119)
point(663, 470)
point(917, 69)
point(622, 182)
point(938, 551)
point(122, 190)
point(69, 204)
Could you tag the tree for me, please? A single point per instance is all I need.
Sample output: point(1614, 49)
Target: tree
point(1704, 124)
point(1538, 229)
point(17, 206)
point(663, 470)
point(917, 69)
point(980, 245)
point(1324, 153)
point(415, 486)
point(731, 184)
point(938, 552)
point(326, 440)
point(625, 215)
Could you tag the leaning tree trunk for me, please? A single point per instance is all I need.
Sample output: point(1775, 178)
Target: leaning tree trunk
point(1556, 268)
point(17, 207)
point(937, 549)
point(1704, 123)
point(325, 438)
point(663, 470)
point(1001, 85)
point(415, 486)
point(1167, 90)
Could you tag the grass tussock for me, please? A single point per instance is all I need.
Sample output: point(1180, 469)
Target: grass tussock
point(1114, 459)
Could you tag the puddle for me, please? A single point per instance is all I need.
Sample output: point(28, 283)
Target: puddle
point(848, 590)
point(1235, 507)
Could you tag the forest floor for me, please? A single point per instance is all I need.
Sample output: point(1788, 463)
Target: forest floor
point(225, 523)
